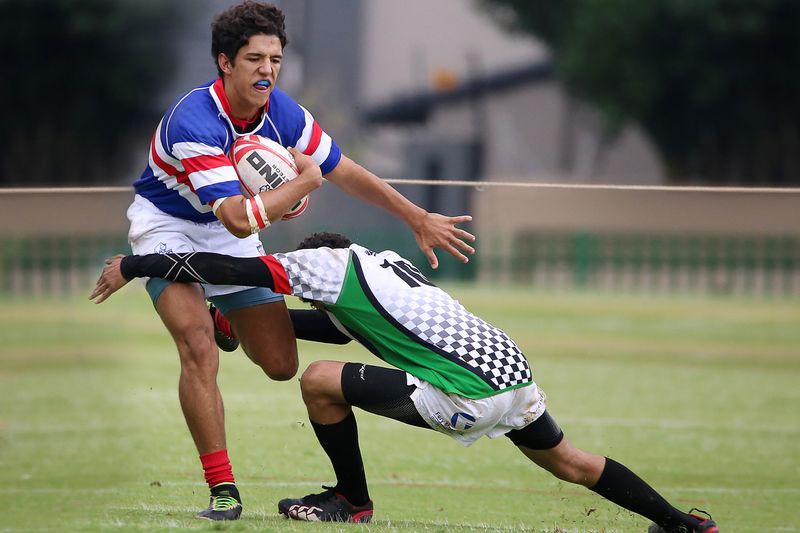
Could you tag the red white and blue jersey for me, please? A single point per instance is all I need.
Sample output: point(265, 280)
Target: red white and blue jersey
point(188, 167)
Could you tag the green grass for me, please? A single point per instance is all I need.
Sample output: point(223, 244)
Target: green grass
point(701, 397)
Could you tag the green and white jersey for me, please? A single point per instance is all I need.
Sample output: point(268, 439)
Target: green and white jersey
point(382, 301)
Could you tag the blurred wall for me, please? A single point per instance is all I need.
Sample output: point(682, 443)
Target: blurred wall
point(408, 43)
point(497, 211)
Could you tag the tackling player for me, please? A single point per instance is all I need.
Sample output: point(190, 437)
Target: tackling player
point(188, 199)
point(457, 374)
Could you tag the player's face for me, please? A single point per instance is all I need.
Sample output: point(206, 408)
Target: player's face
point(250, 78)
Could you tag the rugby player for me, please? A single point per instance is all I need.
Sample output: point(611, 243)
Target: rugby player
point(188, 199)
point(454, 373)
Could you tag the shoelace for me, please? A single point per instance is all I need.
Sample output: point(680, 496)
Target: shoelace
point(693, 509)
point(223, 503)
point(328, 494)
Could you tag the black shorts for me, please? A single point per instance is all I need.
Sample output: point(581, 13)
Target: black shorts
point(385, 392)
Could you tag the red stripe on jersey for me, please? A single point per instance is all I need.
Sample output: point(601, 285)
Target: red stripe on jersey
point(205, 162)
point(183, 178)
point(313, 143)
point(219, 89)
point(279, 277)
point(168, 169)
point(160, 163)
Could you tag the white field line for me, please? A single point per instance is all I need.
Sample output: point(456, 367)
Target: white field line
point(19, 489)
point(679, 424)
point(402, 525)
point(29, 529)
point(660, 423)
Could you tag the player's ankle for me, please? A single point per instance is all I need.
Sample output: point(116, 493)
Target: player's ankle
point(226, 488)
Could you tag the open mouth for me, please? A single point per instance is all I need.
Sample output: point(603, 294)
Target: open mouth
point(262, 85)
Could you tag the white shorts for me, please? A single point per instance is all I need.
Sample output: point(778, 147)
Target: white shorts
point(154, 232)
point(467, 420)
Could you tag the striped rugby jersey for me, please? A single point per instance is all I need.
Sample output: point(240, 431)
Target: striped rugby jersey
point(382, 301)
point(188, 167)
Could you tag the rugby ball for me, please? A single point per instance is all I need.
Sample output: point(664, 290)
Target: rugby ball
point(263, 165)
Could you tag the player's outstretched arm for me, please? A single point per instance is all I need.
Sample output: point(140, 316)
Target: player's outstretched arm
point(187, 267)
point(110, 280)
point(431, 230)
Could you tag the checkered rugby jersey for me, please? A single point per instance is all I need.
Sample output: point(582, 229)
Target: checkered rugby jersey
point(382, 301)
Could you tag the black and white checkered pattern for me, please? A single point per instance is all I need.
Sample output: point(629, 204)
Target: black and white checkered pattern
point(424, 311)
point(434, 317)
point(315, 274)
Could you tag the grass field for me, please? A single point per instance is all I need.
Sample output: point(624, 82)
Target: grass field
point(701, 397)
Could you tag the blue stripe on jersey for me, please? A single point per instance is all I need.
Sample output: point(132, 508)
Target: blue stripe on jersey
point(168, 200)
point(332, 160)
point(218, 190)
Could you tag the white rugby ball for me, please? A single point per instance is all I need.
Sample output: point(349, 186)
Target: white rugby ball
point(263, 165)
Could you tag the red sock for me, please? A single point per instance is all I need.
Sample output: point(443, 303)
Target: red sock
point(217, 467)
point(223, 324)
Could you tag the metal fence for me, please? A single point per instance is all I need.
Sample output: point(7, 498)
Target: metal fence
point(549, 236)
point(640, 263)
point(669, 263)
point(54, 264)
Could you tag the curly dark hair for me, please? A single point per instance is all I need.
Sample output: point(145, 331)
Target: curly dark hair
point(325, 240)
point(233, 27)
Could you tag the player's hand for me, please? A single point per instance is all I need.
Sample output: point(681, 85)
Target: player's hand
point(110, 280)
point(439, 231)
point(305, 164)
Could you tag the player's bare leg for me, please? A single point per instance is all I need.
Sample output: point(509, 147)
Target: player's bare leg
point(267, 338)
point(617, 484)
point(183, 310)
point(568, 463)
point(321, 386)
point(335, 427)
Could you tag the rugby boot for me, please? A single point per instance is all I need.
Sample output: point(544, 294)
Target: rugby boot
point(706, 525)
point(223, 334)
point(225, 504)
point(327, 506)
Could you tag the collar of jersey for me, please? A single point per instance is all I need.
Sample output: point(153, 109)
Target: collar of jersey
point(222, 100)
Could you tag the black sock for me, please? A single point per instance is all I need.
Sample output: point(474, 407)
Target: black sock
point(226, 489)
point(626, 489)
point(340, 442)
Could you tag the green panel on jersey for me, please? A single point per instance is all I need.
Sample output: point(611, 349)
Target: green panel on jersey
point(356, 312)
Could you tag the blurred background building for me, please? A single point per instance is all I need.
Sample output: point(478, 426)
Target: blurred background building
point(469, 90)
point(437, 80)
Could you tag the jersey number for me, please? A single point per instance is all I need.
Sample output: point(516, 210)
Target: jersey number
point(407, 272)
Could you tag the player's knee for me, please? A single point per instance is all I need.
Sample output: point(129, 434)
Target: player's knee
point(578, 467)
point(314, 381)
point(283, 372)
point(281, 368)
point(278, 364)
point(197, 351)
